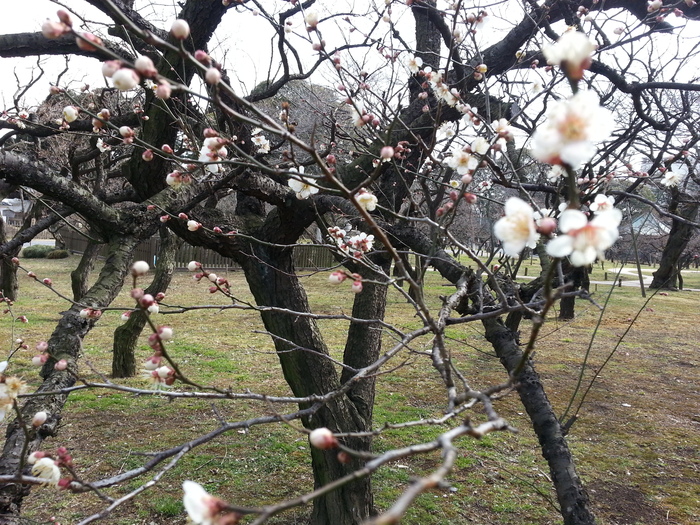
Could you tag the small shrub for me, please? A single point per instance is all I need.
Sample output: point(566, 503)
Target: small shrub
point(58, 254)
point(38, 251)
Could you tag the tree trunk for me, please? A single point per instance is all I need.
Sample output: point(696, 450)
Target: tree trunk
point(65, 343)
point(679, 237)
point(270, 275)
point(9, 286)
point(572, 496)
point(578, 276)
point(127, 335)
point(79, 277)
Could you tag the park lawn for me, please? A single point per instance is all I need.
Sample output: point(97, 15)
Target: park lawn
point(636, 439)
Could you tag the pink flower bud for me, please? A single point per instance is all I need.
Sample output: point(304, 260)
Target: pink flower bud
point(31, 274)
point(165, 333)
point(15, 261)
point(164, 218)
point(47, 282)
point(23, 319)
point(356, 287)
point(147, 300)
point(466, 178)
point(110, 67)
point(65, 17)
point(193, 266)
point(216, 229)
point(166, 148)
point(86, 42)
point(53, 30)
point(470, 198)
point(126, 316)
point(42, 346)
point(164, 90)
point(126, 132)
point(213, 289)
point(336, 277)
point(61, 365)
point(137, 293)
point(183, 216)
point(387, 153)
point(145, 66)
point(547, 226)
point(323, 439)
point(147, 155)
point(159, 297)
point(201, 56)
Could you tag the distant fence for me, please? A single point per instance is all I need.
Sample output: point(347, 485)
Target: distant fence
point(305, 256)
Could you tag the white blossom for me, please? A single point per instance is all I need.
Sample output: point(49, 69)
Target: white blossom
point(414, 64)
point(671, 178)
point(602, 203)
point(46, 469)
point(572, 128)
point(303, 187)
point(201, 507)
point(366, 200)
point(462, 162)
point(517, 229)
point(583, 241)
point(125, 79)
point(572, 52)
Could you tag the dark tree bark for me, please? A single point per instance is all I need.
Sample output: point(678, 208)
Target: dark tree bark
point(669, 268)
point(572, 496)
point(578, 277)
point(126, 336)
point(9, 286)
point(303, 356)
point(79, 277)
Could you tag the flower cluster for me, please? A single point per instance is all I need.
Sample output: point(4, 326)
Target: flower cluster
point(219, 284)
point(213, 150)
point(48, 469)
point(260, 141)
point(338, 277)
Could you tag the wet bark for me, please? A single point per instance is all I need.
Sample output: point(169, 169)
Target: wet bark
point(126, 336)
point(65, 343)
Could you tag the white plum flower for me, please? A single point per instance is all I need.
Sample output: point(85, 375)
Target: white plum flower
point(201, 507)
point(555, 174)
point(583, 241)
point(462, 162)
point(303, 187)
point(671, 178)
point(517, 229)
point(414, 64)
point(602, 203)
point(70, 113)
point(102, 146)
point(46, 469)
point(366, 200)
point(262, 143)
point(572, 128)
point(572, 52)
point(480, 146)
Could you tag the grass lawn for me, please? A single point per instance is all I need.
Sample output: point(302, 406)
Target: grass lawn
point(636, 440)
